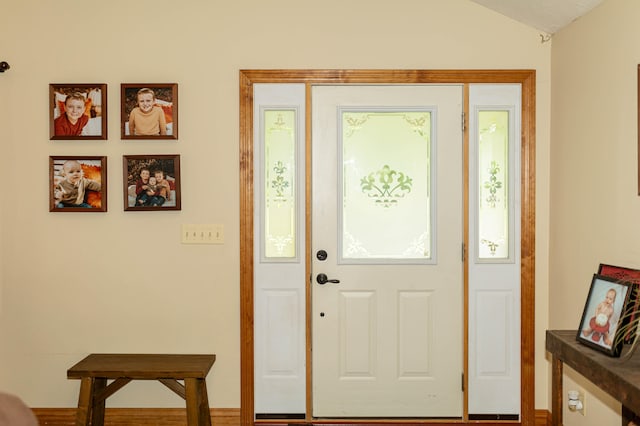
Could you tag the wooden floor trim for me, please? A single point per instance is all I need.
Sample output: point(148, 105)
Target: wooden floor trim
point(137, 416)
point(178, 417)
point(543, 418)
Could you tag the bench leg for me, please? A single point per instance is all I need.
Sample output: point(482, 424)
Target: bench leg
point(97, 411)
point(197, 402)
point(205, 413)
point(83, 413)
point(90, 412)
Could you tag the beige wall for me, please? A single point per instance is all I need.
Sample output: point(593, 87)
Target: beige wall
point(594, 202)
point(75, 283)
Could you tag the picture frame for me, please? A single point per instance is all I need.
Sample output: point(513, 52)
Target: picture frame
point(632, 276)
point(78, 184)
point(149, 111)
point(83, 122)
point(602, 323)
point(621, 273)
point(143, 190)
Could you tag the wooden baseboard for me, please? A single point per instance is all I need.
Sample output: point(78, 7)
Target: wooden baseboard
point(543, 418)
point(173, 417)
point(137, 416)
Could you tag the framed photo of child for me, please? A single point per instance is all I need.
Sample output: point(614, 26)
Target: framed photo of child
point(77, 184)
point(149, 111)
point(604, 318)
point(77, 111)
point(151, 182)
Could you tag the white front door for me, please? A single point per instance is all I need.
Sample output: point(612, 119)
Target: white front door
point(387, 223)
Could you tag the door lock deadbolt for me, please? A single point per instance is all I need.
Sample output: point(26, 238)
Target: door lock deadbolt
point(321, 255)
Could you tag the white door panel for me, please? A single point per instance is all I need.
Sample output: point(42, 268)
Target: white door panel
point(387, 339)
point(494, 277)
point(279, 280)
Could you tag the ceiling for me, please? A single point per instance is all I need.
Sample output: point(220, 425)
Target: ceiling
point(548, 16)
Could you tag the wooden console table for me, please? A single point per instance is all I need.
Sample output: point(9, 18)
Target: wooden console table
point(96, 369)
point(619, 377)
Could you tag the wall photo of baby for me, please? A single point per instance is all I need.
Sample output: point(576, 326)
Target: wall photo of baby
point(77, 184)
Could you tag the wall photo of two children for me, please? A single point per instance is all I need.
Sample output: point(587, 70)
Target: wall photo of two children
point(149, 111)
point(77, 184)
point(77, 111)
point(151, 182)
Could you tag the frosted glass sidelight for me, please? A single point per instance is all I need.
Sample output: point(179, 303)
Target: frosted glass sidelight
point(493, 180)
point(386, 185)
point(279, 181)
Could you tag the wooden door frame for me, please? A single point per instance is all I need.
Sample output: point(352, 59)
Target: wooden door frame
point(527, 79)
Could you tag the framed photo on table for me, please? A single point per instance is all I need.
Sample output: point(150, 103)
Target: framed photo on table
point(77, 184)
point(151, 182)
point(149, 111)
point(604, 315)
point(77, 111)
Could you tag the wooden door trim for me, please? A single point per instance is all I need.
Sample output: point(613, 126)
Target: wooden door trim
point(527, 79)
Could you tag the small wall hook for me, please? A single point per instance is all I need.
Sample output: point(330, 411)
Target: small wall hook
point(4, 66)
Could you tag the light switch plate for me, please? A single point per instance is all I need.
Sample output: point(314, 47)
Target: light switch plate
point(202, 233)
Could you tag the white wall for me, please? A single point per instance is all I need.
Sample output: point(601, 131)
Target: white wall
point(74, 283)
point(594, 201)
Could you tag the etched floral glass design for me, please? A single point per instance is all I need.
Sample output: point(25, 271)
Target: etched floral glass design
point(279, 180)
point(493, 199)
point(386, 186)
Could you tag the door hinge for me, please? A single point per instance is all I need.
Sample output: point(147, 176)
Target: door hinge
point(462, 382)
point(462, 124)
point(464, 252)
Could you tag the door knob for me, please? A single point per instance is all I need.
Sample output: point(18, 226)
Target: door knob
point(323, 279)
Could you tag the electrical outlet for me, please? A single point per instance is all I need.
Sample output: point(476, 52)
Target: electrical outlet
point(202, 234)
point(577, 401)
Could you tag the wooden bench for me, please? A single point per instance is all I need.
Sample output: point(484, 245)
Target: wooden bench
point(96, 369)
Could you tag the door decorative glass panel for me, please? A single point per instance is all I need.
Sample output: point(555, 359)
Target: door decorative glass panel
point(279, 184)
point(493, 181)
point(386, 185)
